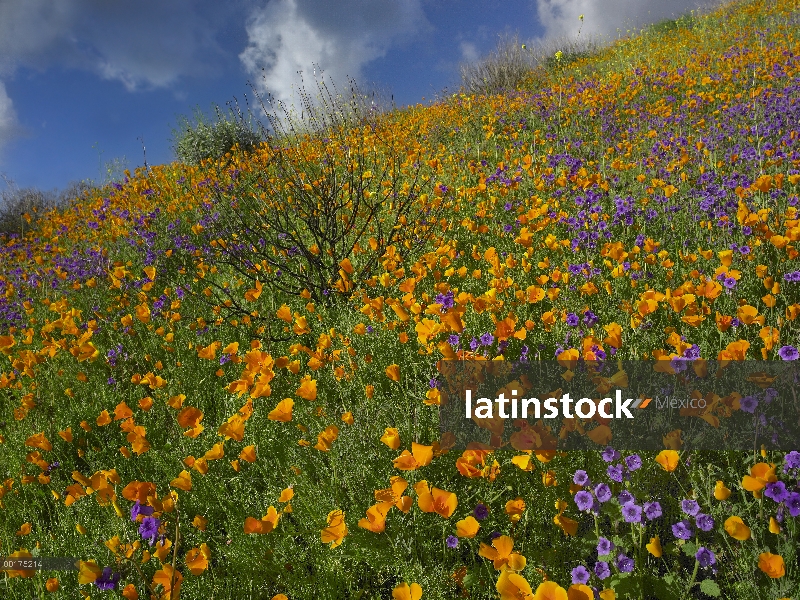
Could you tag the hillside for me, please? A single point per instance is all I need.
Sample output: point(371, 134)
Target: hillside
point(224, 380)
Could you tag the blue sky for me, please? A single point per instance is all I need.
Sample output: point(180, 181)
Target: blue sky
point(85, 83)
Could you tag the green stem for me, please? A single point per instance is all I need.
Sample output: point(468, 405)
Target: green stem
point(691, 581)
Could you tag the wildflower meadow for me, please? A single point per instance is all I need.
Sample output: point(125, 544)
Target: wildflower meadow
point(221, 379)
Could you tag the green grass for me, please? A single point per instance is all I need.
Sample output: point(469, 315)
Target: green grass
point(417, 195)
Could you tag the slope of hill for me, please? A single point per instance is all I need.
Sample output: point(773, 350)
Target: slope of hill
point(224, 380)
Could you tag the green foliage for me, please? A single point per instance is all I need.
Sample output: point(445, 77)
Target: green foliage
point(710, 588)
point(203, 139)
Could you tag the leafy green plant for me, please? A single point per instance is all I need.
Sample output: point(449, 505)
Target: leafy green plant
point(205, 139)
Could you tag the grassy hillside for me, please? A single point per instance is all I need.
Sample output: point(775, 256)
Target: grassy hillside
point(220, 381)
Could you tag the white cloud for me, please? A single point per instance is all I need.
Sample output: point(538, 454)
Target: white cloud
point(602, 18)
point(469, 52)
point(141, 44)
point(287, 36)
point(9, 128)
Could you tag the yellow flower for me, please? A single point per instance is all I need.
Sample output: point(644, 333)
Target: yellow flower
point(197, 559)
point(24, 529)
point(39, 441)
point(515, 508)
point(668, 459)
point(88, 571)
point(580, 591)
point(550, 590)
point(721, 492)
point(772, 565)
point(435, 500)
point(334, 533)
point(166, 576)
point(326, 438)
point(391, 437)
point(182, 481)
point(24, 573)
point(512, 586)
point(501, 554)
point(774, 526)
point(407, 592)
point(567, 525)
point(393, 372)
point(467, 528)
point(376, 517)
point(308, 388)
point(265, 525)
point(760, 475)
point(654, 547)
point(420, 456)
point(737, 529)
point(282, 412)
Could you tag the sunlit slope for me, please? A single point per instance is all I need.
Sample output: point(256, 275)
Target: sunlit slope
point(221, 380)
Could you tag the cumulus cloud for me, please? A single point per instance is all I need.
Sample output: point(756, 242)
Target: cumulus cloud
point(602, 18)
point(8, 117)
point(287, 36)
point(148, 43)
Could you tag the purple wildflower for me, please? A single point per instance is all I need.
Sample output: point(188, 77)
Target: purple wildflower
point(788, 353)
point(107, 580)
point(452, 541)
point(624, 563)
point(704, 522)
point(139, 509)
point(690, 507)
point(604, 546)
point(584, 500)
point(149, 529)
point(481, 512)
point(632, 513)
point(777, 491)
point(603, 492)
point(633, 462)
point(748, 404)
point(652, 510)
point(615, 473)
point(793, 504)
point(705, 557)
point(682, 530)
point(580, 575)
point(791, 461)
point(610, 455)
point(602, 570)
point(624, 497)
point(580, 477)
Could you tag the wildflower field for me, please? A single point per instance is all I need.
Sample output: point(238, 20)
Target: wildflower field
point(220, 380)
